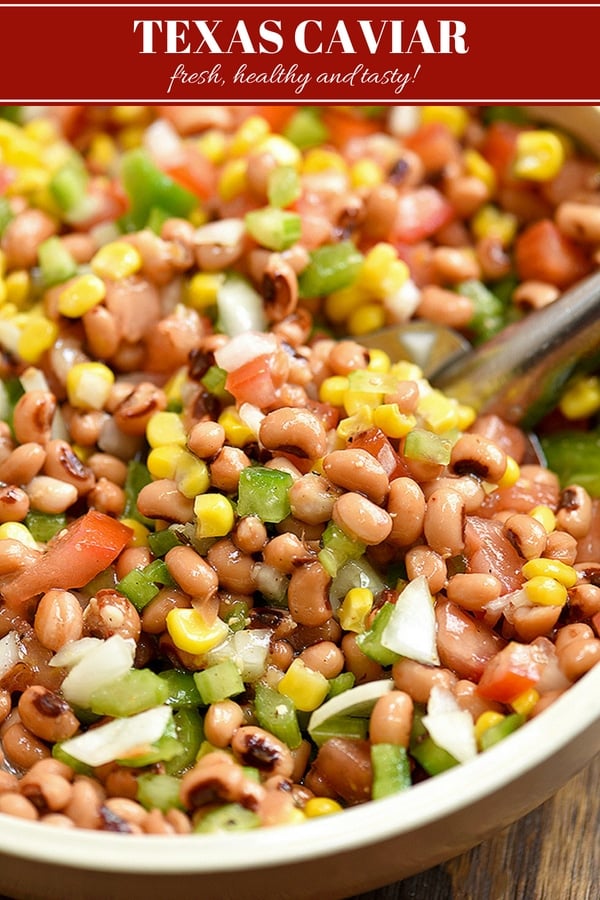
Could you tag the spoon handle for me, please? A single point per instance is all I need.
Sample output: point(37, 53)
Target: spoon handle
point(521, 372)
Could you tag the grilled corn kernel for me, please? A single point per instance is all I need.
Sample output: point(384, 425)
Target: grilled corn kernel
point(333, 390)
point(37, 335)
point(202, 289)
point(321, 160)
point(237, 432)
point(582, 399)
point(393, 423)
point(232, 180)
point(305, 687)
point(511, 473)
point(367, 318)
point(252, 130)
point(162, 460)
point(540, 155)
point(18, 286)
point(191, 475)
point(191, 633)
point(165, 428)
point(486, 720)
point(478, 166)
point(81, 295)
point(551, 568)
point(525, 702)
point(379, 361)
point(489, 221)
point(214, 515)
point(340, 304)
point(455, 118)
point(321, 806)
point(542, 590)
point(116, 260)
point(355, 608)
point(89, 385)
point(545, 516)
point(139, 538)
point(366, 173)
point(16, 531)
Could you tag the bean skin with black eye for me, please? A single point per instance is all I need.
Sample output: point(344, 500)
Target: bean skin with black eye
point(574, 514)
point(472, 454)
point(46, 714)
point(356, 470)
point(254, 746)
point(295, 431)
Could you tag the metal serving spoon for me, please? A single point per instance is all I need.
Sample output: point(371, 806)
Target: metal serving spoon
point(520, 373)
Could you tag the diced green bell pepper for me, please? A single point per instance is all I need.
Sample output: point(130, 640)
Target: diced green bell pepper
point(264, 493)
point(131, 693)
point(369, 641)
point(331, 268)
point(276, 713)
point(274, 228)
point(391, 770)
point(149, 189)
point(219, 682)
point(159, 791)
point(229, 817)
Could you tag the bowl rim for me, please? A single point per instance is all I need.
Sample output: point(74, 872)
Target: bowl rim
point(524, 750)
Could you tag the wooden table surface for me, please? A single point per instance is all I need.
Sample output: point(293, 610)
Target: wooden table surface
point(551, 854)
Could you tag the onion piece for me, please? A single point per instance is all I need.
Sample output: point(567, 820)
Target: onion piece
point(73, 652)
point(357, 701)
point(251, 416)
point(224, 232)
point(248, 649)
point(411, 630)
point(100, 665)
point(450, 727)
point(119, 738)
point(242, 348)
point(9, 653)
point(240, 308)
point(164, 144)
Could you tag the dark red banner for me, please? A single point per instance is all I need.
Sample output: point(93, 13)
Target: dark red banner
point(298, 53)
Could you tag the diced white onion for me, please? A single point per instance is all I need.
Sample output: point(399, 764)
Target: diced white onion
point(244, 347)
point(163, 143)
point(119, 738)
point(251, 416)
point(249, 650)
point(450, 726)
point(411, 630)
point(100, 665)
point(402, 303)
point(240, 308)
point(73, 652)
point(403, 120)
point(9, 653)
point(224, 232)
point(358, 701)
point(269, 581)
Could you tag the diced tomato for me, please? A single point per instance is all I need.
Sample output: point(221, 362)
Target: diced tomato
point(328, 414)
point(195, 173)
point(500, 148)
point(252, 382)
point(464, 644)
point(543, 253)
point(375, 442)
point(434, 144)
point(513, 670)
point(86, 548)
point(489, 551)
point(7, 176)
point(108, 203)
point(420, 213)
point(277, 116)
point(523, 496)
point(345, 125)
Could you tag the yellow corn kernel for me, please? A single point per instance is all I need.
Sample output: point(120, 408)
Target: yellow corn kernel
point(465, 415)
point(366, 173)
point(485, 721)
point(165, 428)
point(367, 318)
point(511, 473)
point(438, 411)
point(18, 286)
point(203, 288)
point(333, 390)
point(525, 702)
point(545, 516)
point(213, 145)
point(16, 147)
point(355, 401)
point(378, 258)
point(81, 295)
point(174, 386)
point(232, 180)
point(319, 159)
point(42, 130)
point(139, 538)
point(252, 130)
point(321, 806)
point(191, 475)
point(341, 304)
point(2, 263)
point(551, 568)
point(237, 432)
point(393, 423)
point(305, 687)
point(128, 115)
point(214, 515)
point(379, 361)
point(37, 335)
point(406, 371)
point(355, 608)
point(544, 591)
point(29, 180)
point(162, 460)
point(283, 151)
point(540, 155)
point(89, 385)
point(131, 137)
point(191, 633)
point(478, 166)
point(116, 260)
point(582, 399)
point(16, 531)
point(3, 291)
point(455, 118)
point(354, 424)
point(489, 221)
point(102, 153)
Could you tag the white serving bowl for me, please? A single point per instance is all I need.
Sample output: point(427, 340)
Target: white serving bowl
point(332, 857)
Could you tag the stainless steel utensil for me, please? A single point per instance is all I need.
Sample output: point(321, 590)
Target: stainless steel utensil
point(520, 373)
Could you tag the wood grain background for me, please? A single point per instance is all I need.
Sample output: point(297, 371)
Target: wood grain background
point(551, 854)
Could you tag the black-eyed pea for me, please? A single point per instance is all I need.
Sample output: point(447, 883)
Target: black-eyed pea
point(33, 416)
point(579, 656)
point(355, 469)
point(191, 572)
point(51, 495)
point(85, 802)
point(161, 499)
point(296, 431)
point(14, 804)
point(250, 534)
point(14, 503)
point(5, 704)
point(444, 522)
point(206, 439)
point(21, 747)
point(254, 746)
point(574, 514)
point(361, 519)
point(226, 467)
point(422, 560)
point(391, 719)
point(234, 569)
point(221, 721)
point(63, 464)
point(418, 679)
point(362, 667)
point(154, 614)
point(324, 657)
point(311, 498)
point(562, 546)
point(526, 534)
point(473, 454)
point(107, 497)
point(23, 464)
point(406, 506)
point(50, 793)
point(108, 613)
point(473, 590)
point(308, 594)
point(46, 714)
point(532, 622)
point(285, 552)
